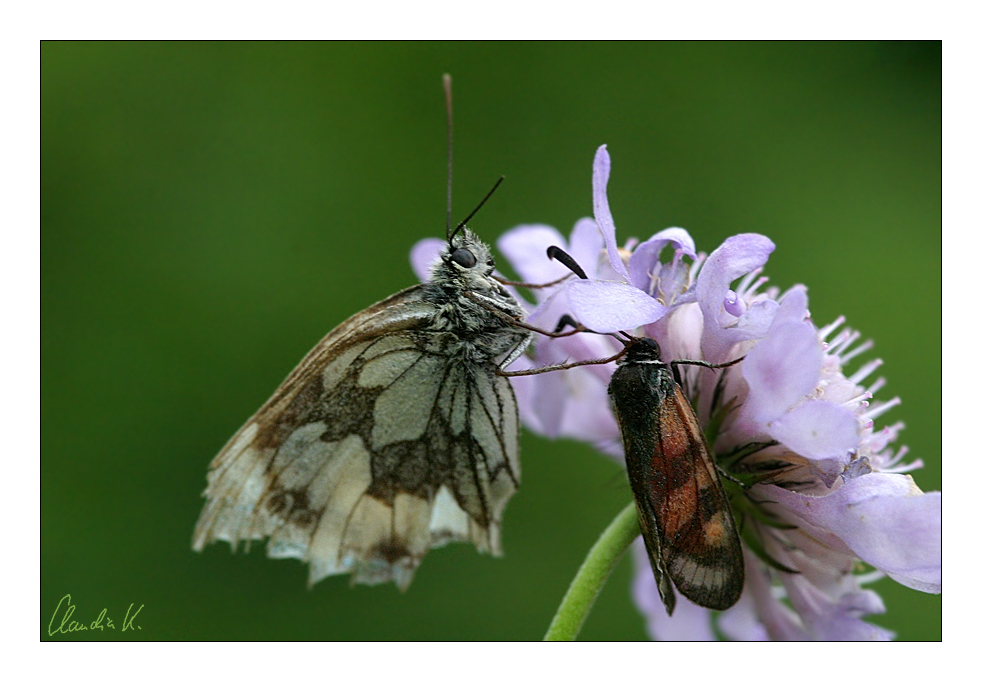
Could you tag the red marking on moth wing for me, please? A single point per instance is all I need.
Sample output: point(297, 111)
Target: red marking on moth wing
point(696, 542)
point(694, 512)
point(680, 441)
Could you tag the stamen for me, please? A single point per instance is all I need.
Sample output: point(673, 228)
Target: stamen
point(866, 370)
point(756, 285)
point(829, 328)
point(877, 385)
point(877, 410)
point(842, 341)
point(696, 267)
point(862, 348)
point(894, 459)
point(747, 280)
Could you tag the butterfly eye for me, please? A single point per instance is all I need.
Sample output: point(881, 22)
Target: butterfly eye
point(463, 258)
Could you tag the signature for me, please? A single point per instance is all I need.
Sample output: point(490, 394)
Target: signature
point(67, 625)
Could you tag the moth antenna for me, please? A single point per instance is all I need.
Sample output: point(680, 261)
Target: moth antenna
point(449, 98)
point(471, 214)
point(628, 340)
point(556, 253)
point(565, 321)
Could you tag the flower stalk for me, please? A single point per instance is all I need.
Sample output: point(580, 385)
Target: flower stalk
point(592, 576)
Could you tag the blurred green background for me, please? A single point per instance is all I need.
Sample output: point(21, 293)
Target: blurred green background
point(209, 211)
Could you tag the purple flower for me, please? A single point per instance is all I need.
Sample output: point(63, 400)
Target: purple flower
point(829, 494)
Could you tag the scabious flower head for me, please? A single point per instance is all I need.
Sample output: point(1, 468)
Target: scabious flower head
point(826, 504)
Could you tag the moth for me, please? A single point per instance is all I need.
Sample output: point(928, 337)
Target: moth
point(395, 434)
point(684, 514)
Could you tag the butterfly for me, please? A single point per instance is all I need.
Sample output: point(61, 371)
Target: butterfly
point(395, 434)
point(398, 432)
point(684, 514)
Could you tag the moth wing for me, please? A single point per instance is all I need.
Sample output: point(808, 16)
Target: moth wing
point(652, 543)
point(700, 545)
point(635, 402)
point(366, 456)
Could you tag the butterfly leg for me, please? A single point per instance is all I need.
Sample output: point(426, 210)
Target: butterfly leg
point(564, 365)
point(527, 285)
point(488, 305)
point(516, 352)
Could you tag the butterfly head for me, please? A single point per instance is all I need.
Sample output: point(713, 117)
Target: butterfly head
point(465, 262)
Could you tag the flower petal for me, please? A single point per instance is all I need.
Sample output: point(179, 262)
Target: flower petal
point(835, 618)
point(525, 394)
point(645, 255)
point(689, 623)
point(781, 370)
point(819, 431)
point(586, 243)
point(606, 307)
point(734, 258)
point(741, 623)
point(525, 248)
point(601, 209)
point(779, 622)
point(424, 255)
point(794, 306)
point(886, 520)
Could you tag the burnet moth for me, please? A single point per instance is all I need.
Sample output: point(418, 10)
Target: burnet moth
point(683, 511)
point(684, 514)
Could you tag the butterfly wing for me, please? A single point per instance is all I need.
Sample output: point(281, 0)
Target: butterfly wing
point(684, 514)
point(375, 448)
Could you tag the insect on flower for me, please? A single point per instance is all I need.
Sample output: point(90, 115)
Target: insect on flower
point(683, 511)
point(822, 497)
point(396, 433)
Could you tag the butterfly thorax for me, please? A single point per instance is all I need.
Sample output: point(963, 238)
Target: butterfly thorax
point(472, 309)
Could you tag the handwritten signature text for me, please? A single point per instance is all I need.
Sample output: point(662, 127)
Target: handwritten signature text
point(63, 623)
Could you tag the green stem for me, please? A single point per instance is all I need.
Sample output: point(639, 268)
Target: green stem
point(592, 575)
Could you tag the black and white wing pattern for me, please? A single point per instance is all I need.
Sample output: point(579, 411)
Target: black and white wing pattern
point(393, 435)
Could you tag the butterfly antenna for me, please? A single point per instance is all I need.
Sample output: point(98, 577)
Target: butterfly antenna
point(470, 215)
point(447, 93)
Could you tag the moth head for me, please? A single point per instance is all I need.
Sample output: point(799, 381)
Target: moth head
point(643, 349)
point(466, 260)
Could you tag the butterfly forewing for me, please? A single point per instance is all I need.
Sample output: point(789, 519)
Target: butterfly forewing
point(393, 435)
point(684, 514)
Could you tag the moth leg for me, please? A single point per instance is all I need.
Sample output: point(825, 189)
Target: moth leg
point(725, 474)
point(700, 363)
